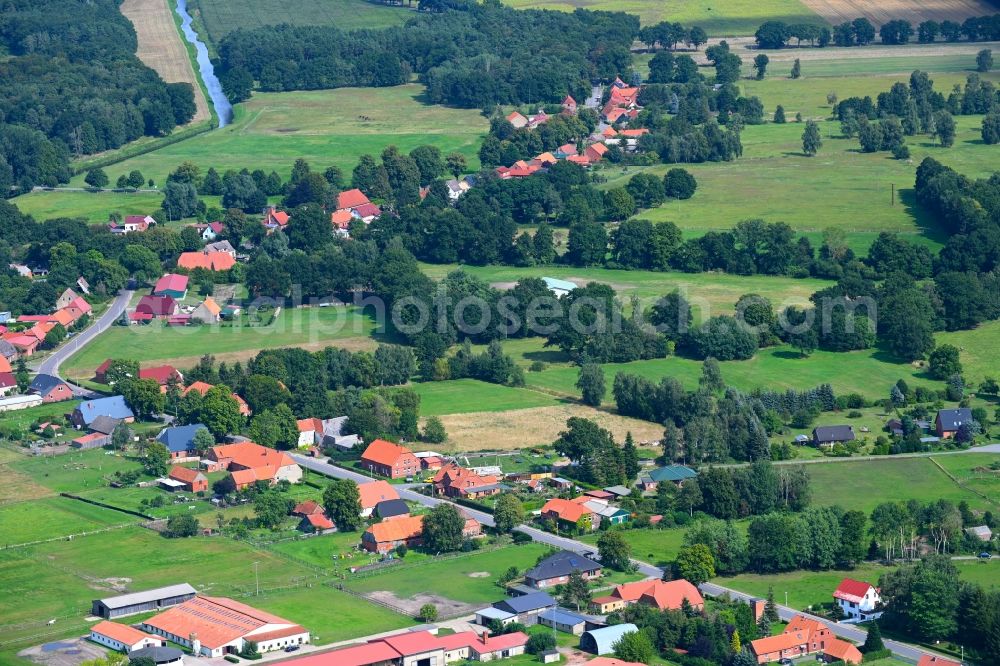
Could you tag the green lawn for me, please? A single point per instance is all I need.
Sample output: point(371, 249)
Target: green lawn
point(972, 471)
point(331, 615)
point(865, 483)
point(74, 471)
point(92, 206)
point(709, 293)
point(453, 577)
point(732, 17)
point(977, 349)
point(335, 552)
point(301, 327)
point(326, 127)
point(23, 522)
point(221, 17)
point(470, 395)
point(23, 418)
point(654, 546)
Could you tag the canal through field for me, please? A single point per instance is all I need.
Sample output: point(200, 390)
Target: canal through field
point(223, 109)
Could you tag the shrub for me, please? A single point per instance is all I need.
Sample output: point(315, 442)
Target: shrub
point(876, 655)
point(231, 659)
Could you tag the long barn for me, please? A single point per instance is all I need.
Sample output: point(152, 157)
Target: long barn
point(142, 602)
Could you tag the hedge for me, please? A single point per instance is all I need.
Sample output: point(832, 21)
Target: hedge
point(875, 655)
point(231, 659)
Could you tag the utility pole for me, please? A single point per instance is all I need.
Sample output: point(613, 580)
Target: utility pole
point(786, 598)
point(256, 578)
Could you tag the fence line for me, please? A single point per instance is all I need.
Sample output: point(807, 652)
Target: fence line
point(66, 537)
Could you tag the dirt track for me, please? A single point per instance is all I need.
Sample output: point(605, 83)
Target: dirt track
point(162, 48)
point(881, 11)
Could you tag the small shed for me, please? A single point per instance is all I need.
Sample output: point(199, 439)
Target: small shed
point(602, 641)
point(548, 656)
point(485, 616)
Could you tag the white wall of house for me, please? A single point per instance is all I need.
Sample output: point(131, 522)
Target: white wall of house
point(865, 610)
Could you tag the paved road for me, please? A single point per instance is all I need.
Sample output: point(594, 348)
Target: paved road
point(850, 632)
point(50, 366)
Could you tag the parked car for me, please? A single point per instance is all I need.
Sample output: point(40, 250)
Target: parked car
point(291, 648)
point(985, 556)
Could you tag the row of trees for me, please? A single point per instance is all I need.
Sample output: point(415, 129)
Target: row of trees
point(468, 57)
point(861, 32)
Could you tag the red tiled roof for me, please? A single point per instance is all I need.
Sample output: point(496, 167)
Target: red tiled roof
point(7, 380)
point(121, 632)
point(413, 642)
point(185, 474)
point(368, 210)
point(374, 492)
point(839, 649)
point(199, 387)
point(319, 521)
point(385, 453)
point(216, 620)
point(341, 218)
point(566, 510)
point(398, 529)
point(156, 305)
point(851, 590)
point(771, 644)
point(308, 507)
point(934, 660)
point(357, 655)
point(89, 438)
point(251, 455)
point(351, 199)
point(663, 595)
point(171, 282)
point(307, 425)
point(161, 374)
point(212, 261)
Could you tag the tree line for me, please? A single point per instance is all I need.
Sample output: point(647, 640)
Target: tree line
point(74, 86)
point(471, 55)
point(861, 32)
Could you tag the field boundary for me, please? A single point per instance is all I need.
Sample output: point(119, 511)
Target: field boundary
point(960, 484)
point(126, 153)
point(108, 506)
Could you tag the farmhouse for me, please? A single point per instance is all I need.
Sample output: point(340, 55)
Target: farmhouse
point(193, 481)
point(858, 600)
point(602, 641)
point(316, 523)
point(391, 460)
point(210, 231)
point(568, 513)
point(162, 375)
point(216, 626)
point(603, 511)
point(830, 435)
point(373, 493)
point(122, 637)
point(388, 535)
point(676, 474)
point(274, 219)
point(173, 285)
point(661, 595)
point(325, 432)
point(207, 312)
point(179, 440)
point(948, 421)
point(156, 306)
point(556, 569)
point(131, 224)
point(248, 463)
point(50, 388)
point(981, 532)
point(94, 440)
point(392, 509)
point(7, 382)
point(203, 388)
point(113, 407)
point(142, 602)
point(804, 636)
point(455, 481)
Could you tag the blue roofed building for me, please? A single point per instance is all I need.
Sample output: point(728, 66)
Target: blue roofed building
point(527, 608)
point(113, 407)
point(675, 474)
point(179, 440)
point(563, 621)
point(949, 421)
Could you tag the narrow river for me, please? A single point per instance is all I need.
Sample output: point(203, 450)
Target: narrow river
point(223, 109)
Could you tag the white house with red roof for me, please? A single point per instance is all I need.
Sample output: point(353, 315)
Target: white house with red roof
point(122, 637)
point(274, 219)
point(860, 601)
point(131, 224)
point(417, 648)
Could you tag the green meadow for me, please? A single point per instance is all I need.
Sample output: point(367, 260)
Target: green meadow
point(219, 17)
point(326, 127)
point(470, 395)
point(53, 517)
point(303, 327)
point(732, 17)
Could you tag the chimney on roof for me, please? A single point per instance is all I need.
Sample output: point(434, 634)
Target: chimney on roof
point(485, 636)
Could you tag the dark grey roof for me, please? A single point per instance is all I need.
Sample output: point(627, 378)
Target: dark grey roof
point(672, 473)
point(562, 617)
point(562, 563)
point(104, 425)
point(160, 655)
point(390, 508)
point(124, 600)
point(836, 433)
point(43, 384)
point(527, 603)
point(7, 350)
point(952, 419)
point(113, 406)
point(179, 438)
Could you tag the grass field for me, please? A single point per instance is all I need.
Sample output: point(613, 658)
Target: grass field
point(972, 471)
point(862, 485)
point(92, 206)
point(74, 471)
point(652, 546)
point(732, 17)
point(221, 17)
point(470, 395)
point(326, 127)
point(51, 517)
point(312, 328)
point(453, 577)
point(709, 293)
point(977, 349)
